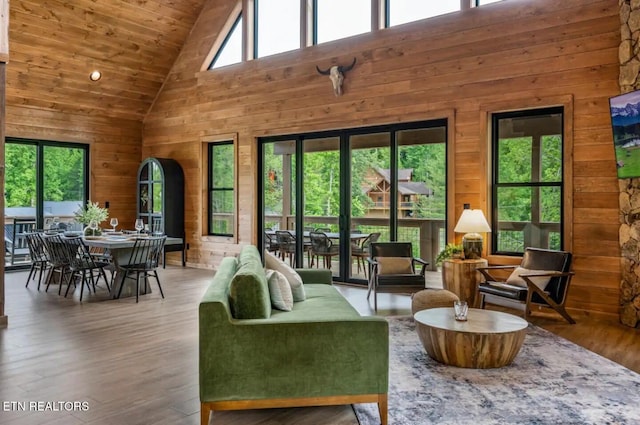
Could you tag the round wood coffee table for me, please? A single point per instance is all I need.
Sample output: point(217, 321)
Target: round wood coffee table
point(488, 339)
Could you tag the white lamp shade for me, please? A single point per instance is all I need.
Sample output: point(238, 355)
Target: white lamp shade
point(472, 221)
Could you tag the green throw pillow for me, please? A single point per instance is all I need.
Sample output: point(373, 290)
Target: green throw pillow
point(249, 292)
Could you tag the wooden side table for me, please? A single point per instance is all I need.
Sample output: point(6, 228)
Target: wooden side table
point(461, 278)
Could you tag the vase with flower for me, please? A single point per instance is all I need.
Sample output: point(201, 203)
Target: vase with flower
point(91, 215)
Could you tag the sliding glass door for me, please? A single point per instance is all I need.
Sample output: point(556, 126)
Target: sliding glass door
point(45, 183)
point(370, 194)
point(353, 187)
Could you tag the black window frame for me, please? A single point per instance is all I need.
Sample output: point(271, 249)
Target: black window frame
point(40, 146)
point(226, 40)
point(495, 184)
point(345, 175)
point(211, 189)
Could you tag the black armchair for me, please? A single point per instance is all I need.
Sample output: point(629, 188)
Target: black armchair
point(393, 268)
point(542, 279)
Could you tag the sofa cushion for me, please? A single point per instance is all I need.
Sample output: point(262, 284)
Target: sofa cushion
point(324, 303)
point(541, 282)
point(297, 288)
point(249, 291)
point(279, 290)
point(394, 265)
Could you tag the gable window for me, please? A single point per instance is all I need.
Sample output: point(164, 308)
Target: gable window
point(277, 26)
point(403, 11)
point(231, 50)
point(335, 19)
point(221, 189)
point(527, 184)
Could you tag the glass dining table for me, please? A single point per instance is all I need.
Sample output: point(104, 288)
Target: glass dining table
point(120, 246)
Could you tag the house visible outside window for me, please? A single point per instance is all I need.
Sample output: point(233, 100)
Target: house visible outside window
point(221, 189)
point(277, 26)
point(403, 11)
point(231, 50)
point(527, 183)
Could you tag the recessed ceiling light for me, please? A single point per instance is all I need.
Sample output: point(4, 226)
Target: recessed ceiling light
point(95, 75)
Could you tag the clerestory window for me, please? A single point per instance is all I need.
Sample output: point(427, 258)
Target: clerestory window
point(403, 11)
point(277, 26)
point(335, 19)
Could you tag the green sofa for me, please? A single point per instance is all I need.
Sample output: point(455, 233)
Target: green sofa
point(320, 353)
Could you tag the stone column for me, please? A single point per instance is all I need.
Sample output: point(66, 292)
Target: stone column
point(629, 235)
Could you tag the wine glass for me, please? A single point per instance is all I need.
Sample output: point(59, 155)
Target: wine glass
point(139, 225)
point(114, 223)
point(93, 225)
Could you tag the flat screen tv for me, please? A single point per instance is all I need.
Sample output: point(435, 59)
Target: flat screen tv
point(625, 122)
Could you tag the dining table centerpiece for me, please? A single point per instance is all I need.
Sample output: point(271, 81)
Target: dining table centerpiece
point(91, 215)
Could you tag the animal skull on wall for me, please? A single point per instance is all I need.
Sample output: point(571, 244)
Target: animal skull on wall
point(336, 75)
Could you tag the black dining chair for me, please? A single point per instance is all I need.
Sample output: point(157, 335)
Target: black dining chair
point(39, 258)
point(82, 266)
point(58, 259)
point(143, 263)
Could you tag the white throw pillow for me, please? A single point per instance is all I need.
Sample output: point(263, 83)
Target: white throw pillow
point(297, 287)
point(279, 291)
point(540, 282)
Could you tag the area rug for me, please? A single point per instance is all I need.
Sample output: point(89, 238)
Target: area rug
point(551, 381)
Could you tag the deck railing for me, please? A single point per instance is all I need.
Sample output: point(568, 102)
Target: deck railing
point(428, 236)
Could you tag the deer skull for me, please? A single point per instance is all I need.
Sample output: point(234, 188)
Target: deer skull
point(336, 75)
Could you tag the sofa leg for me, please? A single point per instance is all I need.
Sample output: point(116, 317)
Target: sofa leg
point(205, 413)
point(382, 409)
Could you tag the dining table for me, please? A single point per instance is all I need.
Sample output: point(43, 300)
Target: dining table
point(119, 247)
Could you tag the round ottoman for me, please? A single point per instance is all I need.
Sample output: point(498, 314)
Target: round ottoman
point(432, 298)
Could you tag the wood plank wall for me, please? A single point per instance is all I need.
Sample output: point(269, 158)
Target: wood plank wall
point(509, 55)
point(114, 149)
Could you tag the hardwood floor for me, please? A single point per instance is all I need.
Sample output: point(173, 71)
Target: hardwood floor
point(137, 363)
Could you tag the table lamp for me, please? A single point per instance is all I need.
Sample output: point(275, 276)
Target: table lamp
point(472, 223)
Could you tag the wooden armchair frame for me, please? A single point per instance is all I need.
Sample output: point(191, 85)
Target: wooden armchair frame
point(532, 294)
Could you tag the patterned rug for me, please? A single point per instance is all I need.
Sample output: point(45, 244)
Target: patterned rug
point(551, 381)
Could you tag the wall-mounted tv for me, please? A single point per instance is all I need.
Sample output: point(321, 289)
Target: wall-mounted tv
point(625, 122)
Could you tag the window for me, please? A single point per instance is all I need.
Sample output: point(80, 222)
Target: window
point(45, 182)
point(386, 182)
point(403, 11)
point(231, 50)
point(221, 189)
point(277, 26)
point(527, 180)
point(335, 19)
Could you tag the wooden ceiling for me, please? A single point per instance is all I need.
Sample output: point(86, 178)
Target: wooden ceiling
point(55, 44)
